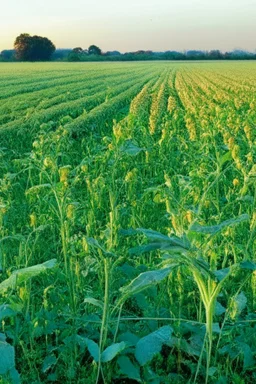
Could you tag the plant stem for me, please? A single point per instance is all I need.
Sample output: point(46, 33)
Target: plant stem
point(103, 331)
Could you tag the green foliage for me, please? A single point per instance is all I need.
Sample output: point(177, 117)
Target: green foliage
point(112, 351)
point(151, 344)
point(33, 48)
point(145, 280)
point(130, 148)
point(7, 361)
point(214, 229)
point(128, 368)
point(94, 50)
point(24, 274)
point(140, 181)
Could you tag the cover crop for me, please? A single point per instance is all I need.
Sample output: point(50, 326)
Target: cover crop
point(128, 222)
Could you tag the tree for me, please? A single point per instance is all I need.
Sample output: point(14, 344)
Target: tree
point(61, 54)
point(8, 55)
point(112, 53)
point(77, 50)
point(75, 54)
point(33, 48)
point(215, 55)
point(94, 50)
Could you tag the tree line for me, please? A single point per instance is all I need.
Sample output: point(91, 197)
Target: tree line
point(78, 54)
point(37, 48)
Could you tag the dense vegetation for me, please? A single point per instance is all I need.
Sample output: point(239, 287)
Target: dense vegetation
point(33, 48)
point(92, 54)
point(84, 55)
point(128, 223)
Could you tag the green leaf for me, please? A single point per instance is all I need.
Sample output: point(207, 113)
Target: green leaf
point(239, 348)
point(37, 188)
point(185, 259)
point(216, 328)
point(129, 338)
point(111, 351)
point(146, 248)
point(6, 311)
point(127, 232)
point(212, 230)
point(201, 265)
point(22, 275)
point(212, 371)
point(249, 360)
point(154, 235)
point(222, 380)
point(13, 237)
point(145, 280)
point(130, 148)
point(14, 376)
point(219, 309)
point(7, 355)
point(226, 157)
point(159, 237)
point(48, 362)
point(151, 344)
point(161, 242)
point(95, 302)
point(222, 273)
point(240, 302)
point(94, 243)
point(128, 369)
point(2, 337)
point(164, 246)
point(248, 265)
point(93, 348)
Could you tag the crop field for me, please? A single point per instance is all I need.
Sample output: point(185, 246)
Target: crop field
point(128, 223)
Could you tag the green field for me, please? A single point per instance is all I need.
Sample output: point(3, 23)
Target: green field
point(128, 223)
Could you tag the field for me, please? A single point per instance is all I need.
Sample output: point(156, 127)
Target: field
point(128, 223)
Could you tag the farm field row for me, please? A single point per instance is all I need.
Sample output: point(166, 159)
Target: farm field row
point(128, 222)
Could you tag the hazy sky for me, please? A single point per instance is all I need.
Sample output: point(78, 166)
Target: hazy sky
point(129, 25)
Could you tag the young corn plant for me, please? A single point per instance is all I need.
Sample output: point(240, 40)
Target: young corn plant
point(180, 252)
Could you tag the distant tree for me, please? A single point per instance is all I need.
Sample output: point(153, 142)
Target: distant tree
point(139, 52)
point(215, 55)
point(239, 54)
point(171, 55)
point(61, 54)
point(75, 54)
point(22, 46)
point(33, 48)
point(195, 55)
point(112, 53)
point(8, 55)
point(94, 50)
point(72, 56)
point(77, 50)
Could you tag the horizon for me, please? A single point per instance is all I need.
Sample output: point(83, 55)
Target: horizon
point(185, 25)
point(150, 50)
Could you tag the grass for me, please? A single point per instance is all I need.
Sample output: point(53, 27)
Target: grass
point(128, 222)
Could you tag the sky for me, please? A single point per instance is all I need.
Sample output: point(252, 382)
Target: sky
point(130, 25)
